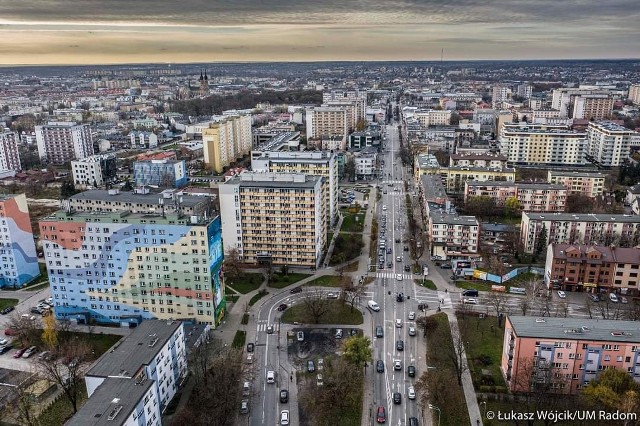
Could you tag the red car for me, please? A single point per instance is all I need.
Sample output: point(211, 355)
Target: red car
point(19, 352)
point(381, 416)
point(10, 332)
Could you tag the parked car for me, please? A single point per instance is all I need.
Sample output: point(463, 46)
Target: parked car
point(5, 349)
point(562, 294)
point(300, 336)
point(244, 406)
point(284, 417)
point(320, 365)
point(613, 298)
point(3, 342)
point(6, 310)
point(594, 297)
point(311, 367)
point(381, 415)
point(319, 381)
point(19, 352)
point(338, 333)
point(332, 295)
point(623, 300)
point(295, 290)
point(250, 347)
point(36, 311)
point(446, 266)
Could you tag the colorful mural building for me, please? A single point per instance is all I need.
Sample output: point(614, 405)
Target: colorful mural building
point(18, 258)
point(123, 266)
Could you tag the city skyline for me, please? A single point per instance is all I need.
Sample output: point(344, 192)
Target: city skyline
point(91, 32)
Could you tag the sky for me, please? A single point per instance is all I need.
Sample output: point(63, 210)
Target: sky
point(142, 31)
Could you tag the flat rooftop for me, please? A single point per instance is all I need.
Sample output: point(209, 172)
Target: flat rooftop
point(135, 350)
point(112, 403)
point(503, 184)
point(576, 329)
point(583, 217)
point(453, 219)
point(132, 197)
point(274, 180)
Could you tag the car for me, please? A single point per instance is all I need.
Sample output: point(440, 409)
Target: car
point(282, 307)
point(470, 301)
point(271, 377)
point(470, 293)
point(398, 258)
point(389, 250)
point(300, 336)
point(400, 297)
point(412, 316)
point(244, 406)
point(381, 415)
point(319, 380)
point(269, 329)
point(320, 364)
point(562, 294)
point(49, 300)
point(411, 371)
point(412, 331)
point(397, 240)
point(397, 398)
point(623, 300)
point(411, 393)
point(400, 345)
point(74, 363)
point(384, 207)
point(249, 359)
point(397, 365)
point(295, 290)
point(453, 277)
point(413, 421)
point(373, 306)
point(446, 266)
point(405, 248)
point(246, 389)
point(7, 310)
point(3, 342)
point(284, 417)
point(311, 367)
point(10, 331)
point(19, 352)
point(399, 277)
point(594, 297)
point(250, 347)
point(36, 311)
point(379, 332)
point(407, 268)
point(332, 295)
point(284, 396)
point(338, 333)
point(5, 349)
point(389, 265)
point(613, 298)
point(398, 323)
point(380, 366)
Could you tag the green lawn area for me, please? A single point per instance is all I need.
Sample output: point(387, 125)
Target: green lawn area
point(239, 338)
point(346, 247)
point(475, 285)
point(257, 297)
point(484, 351)
point(8, 302)
point(451, 400)
point(337, 313)
point(61, 410)
point(325, 281)
point(427, 284)
point(232, 298)
point(352, 222)
point(38, 287)
point(282, 281)
point(247, 282)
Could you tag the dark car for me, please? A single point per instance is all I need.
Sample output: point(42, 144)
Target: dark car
point(379, 332)
point(7, 310)
point(400, 297)
point(311, 367)
point(389, 265)
point(282, 307)
point(284, 396)
point(446, 266)
point(35, 311)
point(407, 268)
point(380, 366)
point(5, 349)
point(250, 347)
point(411, 371)
point(381, 415)
point(400, 345)
point(405, 248)
point(296, 290)
point(397, 398)
point(413, 421)
point(595, 297)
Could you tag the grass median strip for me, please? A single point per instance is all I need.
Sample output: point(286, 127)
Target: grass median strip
point(332, 312)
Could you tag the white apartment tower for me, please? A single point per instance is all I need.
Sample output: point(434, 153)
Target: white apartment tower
point(61, 142)
point(9, 156)
point(277, 218)
point(355, 96)
point(327, 121)
point(608, 143)
point(634, 94)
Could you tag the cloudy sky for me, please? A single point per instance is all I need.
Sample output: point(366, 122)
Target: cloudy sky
point(131, 31)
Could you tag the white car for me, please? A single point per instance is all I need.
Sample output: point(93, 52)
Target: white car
point(397, 365)
point(399, 323)
point(399, 277)
point(373, 306)
point(412, 331)
point(271, 377)
point(300, 336)
point(623, 300)
point(412, 315)
point(3, 342)
point(562, 294)
point(284, 417)
point(470, 301)
point(332, 295)
point(384, 207)
point(412, 393)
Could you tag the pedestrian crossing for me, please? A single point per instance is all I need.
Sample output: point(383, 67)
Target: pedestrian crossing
point(263, 324)
point(435, 299)
point(384, 182)
point(392, 275)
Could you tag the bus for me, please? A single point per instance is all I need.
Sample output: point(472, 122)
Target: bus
point(517, 290)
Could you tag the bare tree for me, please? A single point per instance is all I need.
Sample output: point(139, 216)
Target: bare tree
point(316, 305)
point(65, 369)
point(562, 309)
point(232, 265)
point(457, 355)
point(23, 410)
point(497, 300)
point(25, 327)
point(352, 292)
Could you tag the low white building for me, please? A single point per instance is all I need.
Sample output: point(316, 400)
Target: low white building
point(366, 163)
point(93, 171)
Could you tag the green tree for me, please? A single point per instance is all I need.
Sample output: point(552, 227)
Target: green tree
point(50, 332)
point(541, 244)
point(361, 125)
point(67, 189)
point(613, 390)
point(511, 206)
point(127, 185)
point(578, 203)
point(350, 168)
point(483, 206)
point(357, 350)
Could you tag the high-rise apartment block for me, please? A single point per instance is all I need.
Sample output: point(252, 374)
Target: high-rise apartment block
point(317, 163)
point(61, 142)
point(95, 170)
point(525, 90)
point(18, 258)
point(587, 183)
point(634, 94)
point(162, 173)
point(538, 197)
point(327, 121)
point(225, 140)
point(356, 97)
point(542, 144)
point(609, 143)
point(501, 93)
point(570, 228)
point(275, 218)
point(564, 98)
point(433, 117)
point(9, 155)
point(129, 257)
point(593, 107)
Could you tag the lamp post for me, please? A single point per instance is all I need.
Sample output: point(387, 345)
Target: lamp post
point(433, 407)
point(485, 407)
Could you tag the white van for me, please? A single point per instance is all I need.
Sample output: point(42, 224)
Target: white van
point(271, 377)
point(373, 306)
point(613, 298)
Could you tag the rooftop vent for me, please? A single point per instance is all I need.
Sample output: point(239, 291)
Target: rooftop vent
point(114, 412)
point(540, 320)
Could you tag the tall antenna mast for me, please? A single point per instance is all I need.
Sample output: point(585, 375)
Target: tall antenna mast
point(442, 55)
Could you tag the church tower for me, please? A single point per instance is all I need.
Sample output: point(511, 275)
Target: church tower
point(204, 83)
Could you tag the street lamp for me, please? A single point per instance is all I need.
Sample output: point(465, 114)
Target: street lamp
point(433, 407)
point(485, 407)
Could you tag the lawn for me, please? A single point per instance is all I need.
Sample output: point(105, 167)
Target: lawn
point(257, 297)
point(8, 302)
point(325, 281)
point(351, 267)
point(247, 282)
point(337, 313)
point(475, 285)
point(232, 298)
point(453, 405)
point(352, 222)
point(61, 410)
point(484, 351)
point(346, 247)
point(282, 281)
point(239, 338)
point(427, 284)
